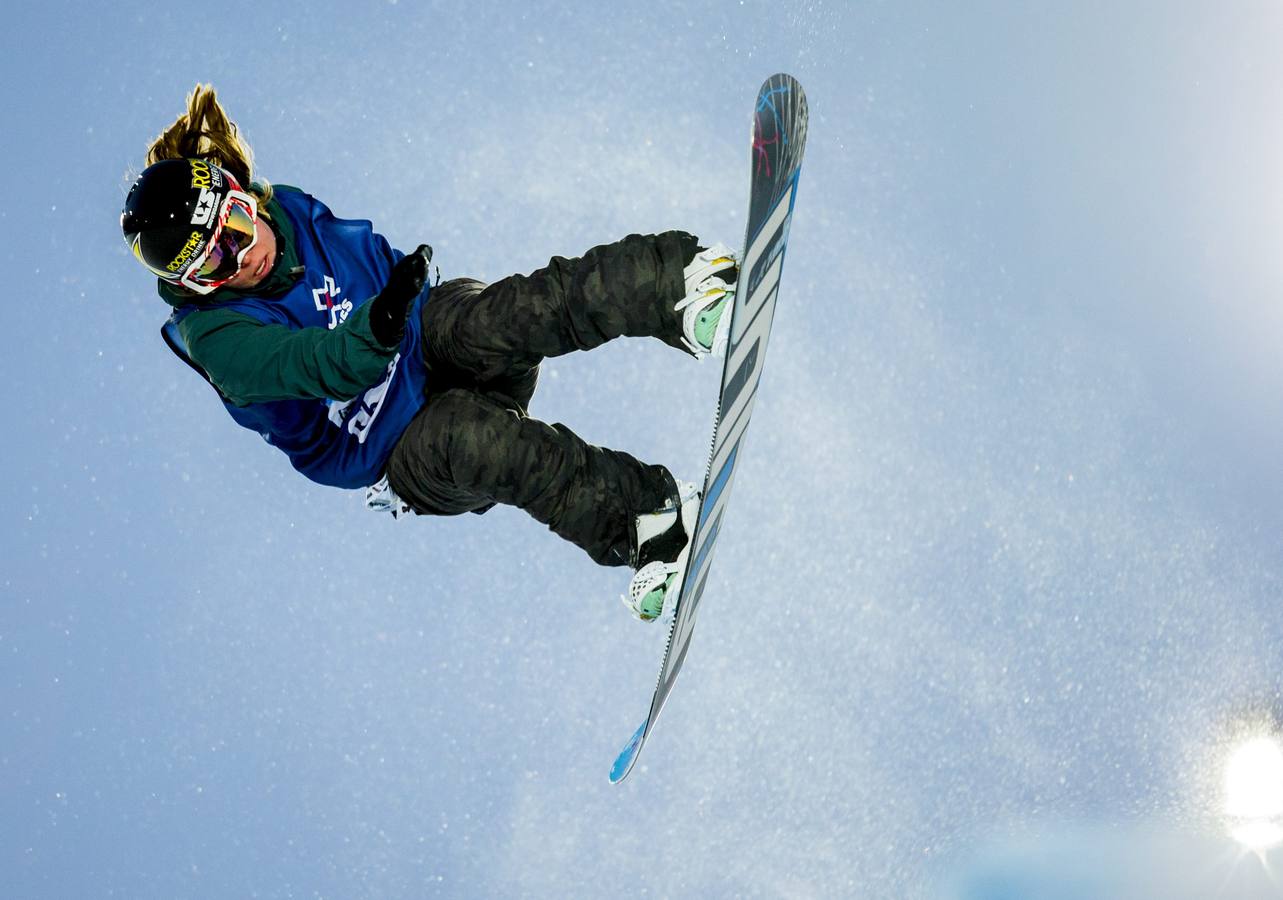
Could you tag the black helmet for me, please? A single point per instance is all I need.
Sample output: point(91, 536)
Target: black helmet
point(172, 212)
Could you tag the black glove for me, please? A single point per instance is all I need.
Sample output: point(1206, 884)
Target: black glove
point(388, 309)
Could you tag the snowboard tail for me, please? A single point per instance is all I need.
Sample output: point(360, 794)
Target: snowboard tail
point(778, 141)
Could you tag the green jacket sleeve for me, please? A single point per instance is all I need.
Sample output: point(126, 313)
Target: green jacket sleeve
point(251, 362)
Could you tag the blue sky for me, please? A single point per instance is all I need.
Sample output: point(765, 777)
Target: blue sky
point(1001, 581)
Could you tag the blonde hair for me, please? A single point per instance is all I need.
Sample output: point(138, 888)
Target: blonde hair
point(206, 132)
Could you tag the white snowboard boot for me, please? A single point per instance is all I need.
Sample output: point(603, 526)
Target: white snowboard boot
point(662, 545)
point(710, 289)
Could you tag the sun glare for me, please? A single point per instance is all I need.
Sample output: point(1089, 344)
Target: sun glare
point(1254, 793)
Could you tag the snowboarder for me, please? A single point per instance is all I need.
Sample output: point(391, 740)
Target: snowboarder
point(320, 336)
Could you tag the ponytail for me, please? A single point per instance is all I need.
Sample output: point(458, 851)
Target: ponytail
point(205, 132)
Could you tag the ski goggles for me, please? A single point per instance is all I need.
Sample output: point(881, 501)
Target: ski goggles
point(225, 251)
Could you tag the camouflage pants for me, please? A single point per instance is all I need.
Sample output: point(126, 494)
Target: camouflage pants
point(473, 445)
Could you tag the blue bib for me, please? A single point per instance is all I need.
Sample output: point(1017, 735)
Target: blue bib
point(344, 444)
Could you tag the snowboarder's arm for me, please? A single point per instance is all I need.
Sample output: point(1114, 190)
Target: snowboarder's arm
point(252, 362)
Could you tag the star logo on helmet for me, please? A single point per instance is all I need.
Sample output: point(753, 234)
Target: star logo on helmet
point(204, 210)
point(327, 300)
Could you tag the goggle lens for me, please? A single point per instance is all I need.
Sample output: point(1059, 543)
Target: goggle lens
point(235, 236)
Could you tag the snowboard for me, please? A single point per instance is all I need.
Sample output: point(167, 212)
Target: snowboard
point(778, 139)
